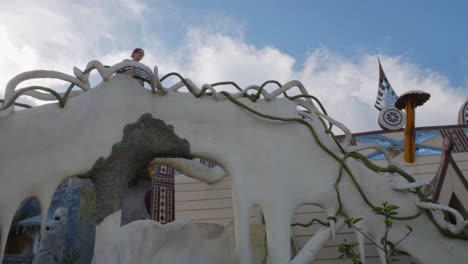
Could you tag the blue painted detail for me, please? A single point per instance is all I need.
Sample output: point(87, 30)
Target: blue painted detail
point(31, 221)
point(398, 146)
point(422, 136)
point(70, 197)
point(379, 140)
point(424, 151)
point(375, 156)
point(17, 260)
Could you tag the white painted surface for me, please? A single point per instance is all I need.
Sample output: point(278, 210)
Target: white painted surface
point(276, 165)
point(147, 241)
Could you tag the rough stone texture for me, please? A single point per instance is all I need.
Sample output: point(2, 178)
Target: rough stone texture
point(142, 141)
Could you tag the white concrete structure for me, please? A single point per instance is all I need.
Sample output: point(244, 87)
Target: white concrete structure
point(275, 164)
point(148, 241)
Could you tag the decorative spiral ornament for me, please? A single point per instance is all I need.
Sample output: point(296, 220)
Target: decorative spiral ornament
point(391, 118)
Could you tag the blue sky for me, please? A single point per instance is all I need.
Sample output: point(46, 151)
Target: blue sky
point(432, 34)
point(330, 46)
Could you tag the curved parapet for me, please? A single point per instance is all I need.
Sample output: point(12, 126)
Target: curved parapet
point(81, 80)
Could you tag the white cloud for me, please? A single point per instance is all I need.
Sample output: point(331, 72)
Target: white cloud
point(57, 35)
point(35, 34)
point(216, 57)
point(347, 87)
point(135, 7)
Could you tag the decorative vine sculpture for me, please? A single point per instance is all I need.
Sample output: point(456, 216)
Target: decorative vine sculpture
point(304, 100)
point(81, 80)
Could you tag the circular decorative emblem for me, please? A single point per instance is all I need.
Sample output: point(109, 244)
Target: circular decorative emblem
point(391, 118)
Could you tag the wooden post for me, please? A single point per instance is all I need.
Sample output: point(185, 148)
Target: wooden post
point(409, 101)
point(410, 135)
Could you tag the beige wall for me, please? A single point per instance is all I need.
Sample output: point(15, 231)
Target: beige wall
point(205, 203)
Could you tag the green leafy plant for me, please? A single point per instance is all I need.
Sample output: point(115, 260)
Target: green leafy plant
point(390, 249)
point(347, 251)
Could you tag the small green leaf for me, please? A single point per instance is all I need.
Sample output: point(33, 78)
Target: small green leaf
point(388, 222)
point(356, 220)
point(377, 209)
point(400, 252)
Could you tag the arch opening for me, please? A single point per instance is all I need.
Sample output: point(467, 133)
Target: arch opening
point(24, 233)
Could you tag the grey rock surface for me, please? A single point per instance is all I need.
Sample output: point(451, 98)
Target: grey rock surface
point(142, 141)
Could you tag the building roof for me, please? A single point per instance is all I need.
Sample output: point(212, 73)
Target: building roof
point(31, 221)
point(442, 174)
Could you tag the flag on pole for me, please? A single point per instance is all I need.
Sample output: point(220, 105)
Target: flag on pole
point(386, 96)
